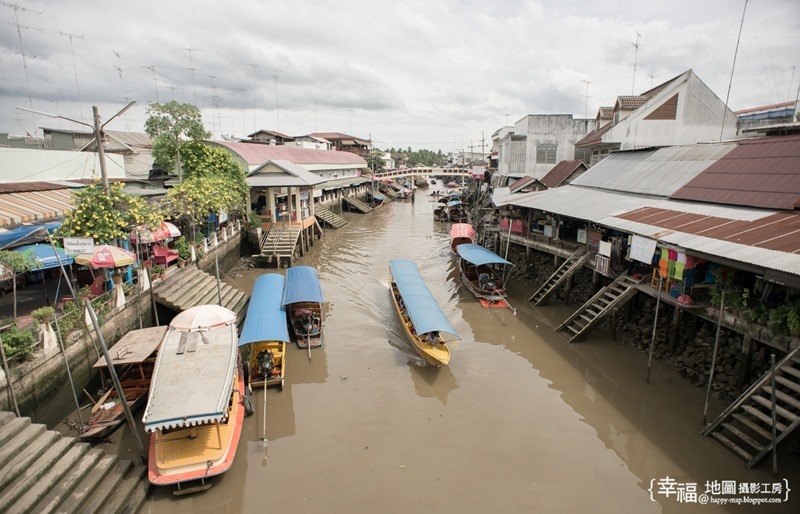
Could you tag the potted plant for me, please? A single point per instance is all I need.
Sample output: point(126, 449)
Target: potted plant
point(184, 252)
point(157, 271)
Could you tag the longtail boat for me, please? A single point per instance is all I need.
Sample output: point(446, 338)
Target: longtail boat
point(266, 332)
point(461, 233)
point(302, 298)
point(134, 358)
point(195, 408)
point(480, 274)
point(424, 324)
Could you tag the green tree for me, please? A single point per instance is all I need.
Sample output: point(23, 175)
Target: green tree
point(375, 161)
point(196, 198)
point(201, 160)
point(168, 125)
point(13, 262)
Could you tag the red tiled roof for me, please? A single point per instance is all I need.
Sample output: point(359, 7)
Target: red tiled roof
point(605, 113)
point(256, 153)
point(630, 103)
point(561, 172)
point(763, 172)
point(775, 232)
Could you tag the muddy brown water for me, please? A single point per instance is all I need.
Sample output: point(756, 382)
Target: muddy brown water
point(521, 421)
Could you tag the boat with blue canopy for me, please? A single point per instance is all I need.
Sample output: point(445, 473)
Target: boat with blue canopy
point(302, 298)
point(266, 332)
point(456, 211)
point(424, 323)
point(480, 269)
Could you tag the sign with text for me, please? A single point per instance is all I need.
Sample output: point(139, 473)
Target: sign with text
point(78, 245)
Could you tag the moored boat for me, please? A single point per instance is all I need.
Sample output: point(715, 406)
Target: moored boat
point(456, 211)
point(424, 323)
point(302, 298)
point(479, 272)
point(461, 233)
point(266, 332)
point(195, 408)
point(133, 359)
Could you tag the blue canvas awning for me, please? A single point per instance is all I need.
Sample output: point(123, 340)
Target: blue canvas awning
point(302, 285)
point(44, 257)
point(478, 255)
point(425, 313)
point(20, 233)
point(266, 317)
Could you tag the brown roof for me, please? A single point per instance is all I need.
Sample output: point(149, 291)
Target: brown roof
point(593, 137)
point(20, 187)
point(763, 172)
point(272, 133)
point(630, 103)
point(775, 232)
point(521, 183)
point(605, 113)
point(335, 136)
point(257, 153)
point(561, 172)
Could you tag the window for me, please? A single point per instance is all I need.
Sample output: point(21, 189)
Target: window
point(546, 154)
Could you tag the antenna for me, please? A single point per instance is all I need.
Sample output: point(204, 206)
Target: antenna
point(506, 115)
point(277, 115)
point(74, 66)
point(215, 104)
point(156, 74)
point(791, 82)
point(733, 66)
point(192, 69)
point(255, 125)
point(17, 8)
point(586, 103)
point(652, 73)
point(635, 57)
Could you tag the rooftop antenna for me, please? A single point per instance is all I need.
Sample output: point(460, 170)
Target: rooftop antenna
point(277, 115)
point(652, 73)
point(215, 104)
point(118, 67)
point(733, 66)
point(192, 69)
point(506, 115)
point(635, 57)
point(255, 125)
point(791, 83)
point(156, 74)
point(586, 103)
point(17, 8)
point(74, 66)
point(172, 88)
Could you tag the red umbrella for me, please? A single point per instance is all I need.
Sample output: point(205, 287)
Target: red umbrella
point(106, 256)
point(167, 230)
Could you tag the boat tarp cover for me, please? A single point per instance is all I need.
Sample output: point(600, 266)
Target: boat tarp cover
point(379, 197)
point(459, 230)
point(452, 203)
point(425, 313)
point(266, 317)
point(302, 285)
point(193, 378)
point(478, 255)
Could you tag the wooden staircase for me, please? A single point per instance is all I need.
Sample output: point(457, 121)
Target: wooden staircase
point(590, 313)
point(280, 243)
point(43, 471)
point(329, 218)
point(187, 287)
point(745, 427)
point(354, 204)
point(568, 268)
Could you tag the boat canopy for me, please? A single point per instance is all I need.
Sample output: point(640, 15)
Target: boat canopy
point(453, 202)
point(302, 285)
point(478, 255)
point(193, 378)
point(425, 313)
point(459, 230)
point(266, 317)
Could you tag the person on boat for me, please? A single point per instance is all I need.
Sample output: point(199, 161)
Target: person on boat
point(432, 337)
point(486, 281)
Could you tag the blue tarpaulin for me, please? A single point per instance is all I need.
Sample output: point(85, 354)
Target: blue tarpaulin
point(422, 308)
point(302, 285)
point(266, 317)
point(8, 237)
point(452, 203)
point(478, 255)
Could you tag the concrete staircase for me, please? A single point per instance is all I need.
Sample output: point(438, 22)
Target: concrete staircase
point(280, 243)
point(590, 313)
point(354, 204)
point(187, 287)
point(42, 471)
point(568, 268)
point(329, 218)
point(746, 427)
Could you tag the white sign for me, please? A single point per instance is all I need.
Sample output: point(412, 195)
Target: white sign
point(605, 248)
point(642, 249)
point(78, 245)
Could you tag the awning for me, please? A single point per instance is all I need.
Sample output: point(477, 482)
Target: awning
point(339, 183)
point(266, 317)
point(302, 285)
point(28, 206)
point(424, 311)
point(478, 255)
point(44, 257)
point(20, 234)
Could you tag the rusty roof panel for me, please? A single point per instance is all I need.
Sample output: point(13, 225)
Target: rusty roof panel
point(763, 172)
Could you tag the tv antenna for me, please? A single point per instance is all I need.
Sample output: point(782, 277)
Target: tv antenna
point(74, 66)
point(16, 7)
point(506, 115)
point(192, 69)
point(254, 66)
point(586, 103)
point(277, 114)
point(156, 74)
point(636, 46)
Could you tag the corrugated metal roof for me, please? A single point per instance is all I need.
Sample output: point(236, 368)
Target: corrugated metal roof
point(34, 205)
point(658, 172)
point(257, 153)
point(342, 182)
point(715, 230)
point(19, 187)
point(593, 137)
point(334, 136)
point(763, 172)
point(521, 183)
point(289, 175)
point(561, 172)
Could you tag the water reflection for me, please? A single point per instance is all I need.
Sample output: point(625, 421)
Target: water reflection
point(431, 382)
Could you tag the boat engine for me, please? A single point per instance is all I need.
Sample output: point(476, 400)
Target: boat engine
point(266, 362)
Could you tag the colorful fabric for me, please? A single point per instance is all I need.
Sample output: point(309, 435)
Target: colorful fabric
point(678, 272)
point(689, 277)
point(673, 255)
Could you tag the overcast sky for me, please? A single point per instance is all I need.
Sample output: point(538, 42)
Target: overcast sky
point(434, 74)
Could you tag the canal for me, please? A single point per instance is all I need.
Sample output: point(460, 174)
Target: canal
point(520, 421)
